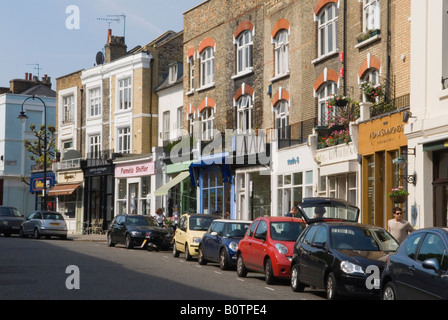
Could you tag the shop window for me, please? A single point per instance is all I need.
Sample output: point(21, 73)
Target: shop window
point(292, 188)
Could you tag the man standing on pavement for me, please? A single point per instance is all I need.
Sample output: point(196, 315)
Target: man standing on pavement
point(398, 227)
point(294, 212)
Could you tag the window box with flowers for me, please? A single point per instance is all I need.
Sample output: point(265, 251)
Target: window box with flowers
point(372, 92)
point(398, 195)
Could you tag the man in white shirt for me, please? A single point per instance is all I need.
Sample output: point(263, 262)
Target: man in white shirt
point(398, 227)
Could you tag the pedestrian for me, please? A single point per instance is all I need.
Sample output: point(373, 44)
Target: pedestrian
point(294, 212)
point(227, 215)
point(398, 227)
point(159, 216)
point(319, 212)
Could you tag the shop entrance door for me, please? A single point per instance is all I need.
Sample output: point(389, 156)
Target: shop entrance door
point(440, 204)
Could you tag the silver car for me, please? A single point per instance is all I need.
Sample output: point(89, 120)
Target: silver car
point(10, 220)
point(44, 223)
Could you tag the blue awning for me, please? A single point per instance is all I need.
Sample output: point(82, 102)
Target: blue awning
point(214, 160)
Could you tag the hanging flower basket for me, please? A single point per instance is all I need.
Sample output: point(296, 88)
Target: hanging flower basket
point(398, 199)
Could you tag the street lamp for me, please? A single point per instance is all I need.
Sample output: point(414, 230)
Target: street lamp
point(22, 117)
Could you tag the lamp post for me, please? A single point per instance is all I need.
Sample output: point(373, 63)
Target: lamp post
point(22, 117)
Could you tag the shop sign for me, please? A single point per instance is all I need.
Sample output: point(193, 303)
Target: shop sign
point(98, 171)
point(135, 170)
point(293, 161)
point(37, 181)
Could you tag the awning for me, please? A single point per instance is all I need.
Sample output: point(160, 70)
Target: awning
point(163, 191)
point(63, 189)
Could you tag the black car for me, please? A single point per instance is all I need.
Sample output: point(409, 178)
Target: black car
point(340, 257)
point(10, 220)
point(419, 268)
point(318, 209)
point(138, 230)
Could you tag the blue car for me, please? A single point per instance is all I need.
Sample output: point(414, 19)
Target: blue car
point(419, 268)
point(220, 242)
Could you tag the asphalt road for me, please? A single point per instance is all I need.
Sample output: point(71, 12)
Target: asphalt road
point(37, 270)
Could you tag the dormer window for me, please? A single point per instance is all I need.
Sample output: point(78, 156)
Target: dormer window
point(172, 75)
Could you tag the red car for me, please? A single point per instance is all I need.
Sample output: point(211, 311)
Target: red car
point(267, 247)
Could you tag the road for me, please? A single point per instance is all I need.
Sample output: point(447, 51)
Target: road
point(37, 269)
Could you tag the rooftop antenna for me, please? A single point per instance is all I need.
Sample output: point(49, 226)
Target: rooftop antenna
point(36, 67)
point(115, 18)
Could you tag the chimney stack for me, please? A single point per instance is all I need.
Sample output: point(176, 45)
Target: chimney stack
point(115, 47)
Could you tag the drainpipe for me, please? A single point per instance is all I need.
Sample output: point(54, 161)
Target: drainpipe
point(388, 46)
point(151, 64)
point(345, 48)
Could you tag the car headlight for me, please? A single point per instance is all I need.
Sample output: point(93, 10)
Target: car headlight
point(5, 223)
point(349, 267)
point(197, 240)
point(136, 233)
point(233, 246)
point(281, 248)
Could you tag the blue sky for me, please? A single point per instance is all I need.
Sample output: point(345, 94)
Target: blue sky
point(35, 32)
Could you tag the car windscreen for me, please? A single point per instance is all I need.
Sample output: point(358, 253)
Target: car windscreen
point(363, 239)
point(235, 229)
point(201, 222)
point(141, 221)
point(9, 212)
point(331, 211)
point(286, 230)
point(52, 216)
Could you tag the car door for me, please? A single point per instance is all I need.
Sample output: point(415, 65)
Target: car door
point(27, 224)
point(35, 221)
point(181, 233)
point(318, 258)
point(304, 252)
point(215, 241)
point(428, 284)
point(206, 240)
point(245, 246)
point(258, 248)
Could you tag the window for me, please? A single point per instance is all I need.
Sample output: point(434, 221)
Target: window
point(433, 247)
point(281, 50)
point(95, 102)
point(166, 126)
point(328, 30)
point(262, 230)
point(69, 109)
point(245, 114)
point(124, 140)
point(95, 146)
point(125, 94)
point(208, 122)
point(292, 188)
point(191, 73)
point(244, 52)
point(409, 248)
point(324, 95)
point(172, 73)
point(180, 121)
point(282, 118)
point(371, 15)
point(372, 77)
point(191, 124)
point(207, 66)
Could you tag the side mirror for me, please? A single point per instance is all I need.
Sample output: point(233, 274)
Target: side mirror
point(319, 245)
point(261, 236)
point(214, 233)
point(432, 264)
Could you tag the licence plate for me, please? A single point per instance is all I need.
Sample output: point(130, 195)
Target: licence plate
point(54, 224)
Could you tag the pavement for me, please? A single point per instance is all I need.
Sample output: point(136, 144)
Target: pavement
point(88, 237)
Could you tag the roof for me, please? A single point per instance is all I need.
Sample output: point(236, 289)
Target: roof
point(40, 90)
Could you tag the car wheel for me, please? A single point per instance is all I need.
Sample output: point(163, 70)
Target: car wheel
point(331, 287)
point(128, 242)
point(241, 270)
point(36, 234)
point(175, 251)
point(389, 292)
point(110, 243)
point(296, 285)
point(223, 264)
point(188, 256)
point(202, 261)
point(268, 272)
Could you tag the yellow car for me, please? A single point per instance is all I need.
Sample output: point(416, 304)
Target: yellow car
point(189, 233)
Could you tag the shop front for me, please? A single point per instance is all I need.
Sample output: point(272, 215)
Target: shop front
point(133, 186)
point(383, 154)
point(98, 195)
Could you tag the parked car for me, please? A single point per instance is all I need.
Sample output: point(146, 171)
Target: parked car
point(189, 233)
point(220, 242)
point(267, 247)
point(138, 230)
point(44, 223)
point(419, 268)
point(335, 256)
point(10, 220)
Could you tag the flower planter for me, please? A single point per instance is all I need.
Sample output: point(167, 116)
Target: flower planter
point(341, 103)
point(398, 199)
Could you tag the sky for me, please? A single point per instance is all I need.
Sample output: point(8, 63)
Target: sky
point(58, 37)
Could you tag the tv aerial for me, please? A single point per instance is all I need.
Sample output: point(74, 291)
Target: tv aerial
point(115, 18)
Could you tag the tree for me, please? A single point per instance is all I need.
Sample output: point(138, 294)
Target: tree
point(37, 146)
